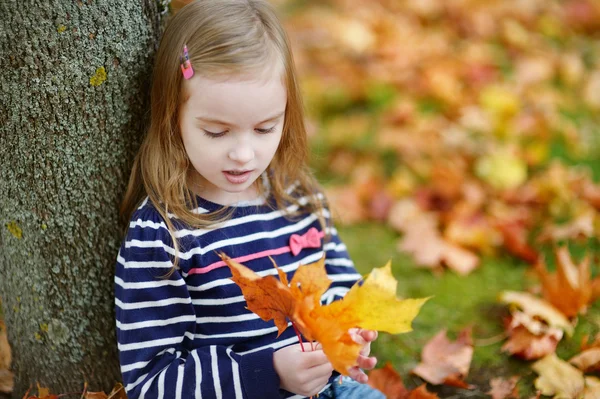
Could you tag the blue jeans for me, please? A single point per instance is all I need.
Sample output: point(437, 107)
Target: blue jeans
point(350, 389)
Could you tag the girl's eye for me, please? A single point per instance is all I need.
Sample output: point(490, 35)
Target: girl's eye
point(214, 135)
point(265, 131)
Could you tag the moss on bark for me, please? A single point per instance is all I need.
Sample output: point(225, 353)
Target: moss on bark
point(67, 137)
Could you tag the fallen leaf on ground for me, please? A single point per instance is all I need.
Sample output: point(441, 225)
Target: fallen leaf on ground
point(7, 381)
point(570, 288)
point(446, 362)
point(421, 392)
point(501, 388)
point(558, 378)
point(580, 227)
point(425, 243)
point(537, 307)
point(5, 351)
point(388, 381)
point(529, 346)
point(589, 358)
point(515, 241)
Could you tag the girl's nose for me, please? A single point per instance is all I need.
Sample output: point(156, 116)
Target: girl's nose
point(242, 153)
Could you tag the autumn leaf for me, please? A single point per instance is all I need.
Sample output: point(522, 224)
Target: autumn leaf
point(421, 392)
point(570, 289)
point(536, 307)
point(446, 362)
point(6, 377)
point(7, 381)
point(515, 241)
point(371, 305)
point(501, 388)
point(266, 296)
point(388, 381)
point(589, 358)
point(502, 170)
point(423, 240)
point(118, 392)
point(558, 378)
point(530, 339)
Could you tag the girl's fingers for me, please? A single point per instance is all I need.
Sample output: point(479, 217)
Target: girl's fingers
point(365, 362)
point(315, 358)
point(369, 335)
point(358, 375)
point(321, 371)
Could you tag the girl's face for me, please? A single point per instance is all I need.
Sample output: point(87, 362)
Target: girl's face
point(231, 129)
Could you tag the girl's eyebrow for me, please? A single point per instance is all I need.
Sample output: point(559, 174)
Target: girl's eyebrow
point(219, 122)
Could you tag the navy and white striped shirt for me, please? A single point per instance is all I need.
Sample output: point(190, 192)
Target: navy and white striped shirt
point(190, 336)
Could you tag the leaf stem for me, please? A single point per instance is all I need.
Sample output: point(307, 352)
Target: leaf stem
point(299, 336)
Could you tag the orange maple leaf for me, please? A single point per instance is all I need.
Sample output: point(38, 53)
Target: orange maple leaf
point(570, 289)
point(372, 305)
point(266, 296)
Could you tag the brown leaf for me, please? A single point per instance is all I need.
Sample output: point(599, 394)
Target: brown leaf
point(267, 296)
point(580, 227)
point(118, 392)
point(529, 346)
point(421, 392)
point(7, 381)
point(423, 240)
point(388, 381)
point(443, 361)
point(5, 352)
point(588, 360)
point(570, 288)
point(96, 395)
point(346, 205)
point(591, 193)
point(515, 241)
point(501, 388)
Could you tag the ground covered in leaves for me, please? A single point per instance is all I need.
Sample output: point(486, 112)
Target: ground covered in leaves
point(460, 139)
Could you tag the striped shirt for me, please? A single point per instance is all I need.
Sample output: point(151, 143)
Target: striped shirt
point(190, 335)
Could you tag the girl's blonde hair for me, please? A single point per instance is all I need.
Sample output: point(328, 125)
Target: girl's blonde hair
point(224, 38)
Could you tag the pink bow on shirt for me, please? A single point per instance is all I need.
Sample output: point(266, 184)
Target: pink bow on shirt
point(310, 239)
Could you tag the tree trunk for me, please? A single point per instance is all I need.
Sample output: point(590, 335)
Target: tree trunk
point(75, 78)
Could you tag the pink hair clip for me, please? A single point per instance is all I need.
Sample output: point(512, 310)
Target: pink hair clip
point(186, 65)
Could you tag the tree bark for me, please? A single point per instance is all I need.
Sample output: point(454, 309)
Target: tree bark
point(75, 78)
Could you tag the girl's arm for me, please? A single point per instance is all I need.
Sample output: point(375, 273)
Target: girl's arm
point(159, 349)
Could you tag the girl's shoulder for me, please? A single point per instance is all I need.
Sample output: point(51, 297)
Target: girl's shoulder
point(146, 212)
point(147, 222)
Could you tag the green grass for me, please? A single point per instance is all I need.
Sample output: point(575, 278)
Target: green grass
point(457, 302)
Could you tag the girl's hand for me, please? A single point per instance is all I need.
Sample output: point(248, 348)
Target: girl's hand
point(303, 373)
point(363, 337)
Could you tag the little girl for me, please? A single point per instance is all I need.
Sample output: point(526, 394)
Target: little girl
point(223, 169)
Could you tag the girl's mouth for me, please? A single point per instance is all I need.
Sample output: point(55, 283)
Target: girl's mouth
point(237, 176)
